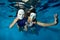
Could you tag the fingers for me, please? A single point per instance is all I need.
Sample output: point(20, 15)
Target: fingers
point(55, 15)
point(56, 18)
point(10, 27)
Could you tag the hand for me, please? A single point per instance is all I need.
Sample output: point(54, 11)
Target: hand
point(25, 28)
point(10, 27)
point(55, 16)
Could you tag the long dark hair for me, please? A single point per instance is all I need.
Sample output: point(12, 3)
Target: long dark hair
point(30, 11)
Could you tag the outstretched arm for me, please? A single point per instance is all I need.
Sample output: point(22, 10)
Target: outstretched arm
point(48, 24)
point(15, 20)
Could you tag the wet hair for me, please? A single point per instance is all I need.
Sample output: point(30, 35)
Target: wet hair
point(30, 11)
point(33, 10)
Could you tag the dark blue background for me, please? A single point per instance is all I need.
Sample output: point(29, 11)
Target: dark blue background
point(45, 12)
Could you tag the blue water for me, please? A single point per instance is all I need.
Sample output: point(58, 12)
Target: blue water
point(44, 14)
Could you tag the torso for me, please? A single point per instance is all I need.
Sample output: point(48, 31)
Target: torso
point(22, 22)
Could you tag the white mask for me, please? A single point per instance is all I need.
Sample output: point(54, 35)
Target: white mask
point(32, 16)
point(20, 14)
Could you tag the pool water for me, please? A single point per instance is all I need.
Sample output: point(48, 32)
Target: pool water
point(45, 13)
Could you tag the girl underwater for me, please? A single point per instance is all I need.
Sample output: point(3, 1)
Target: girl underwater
point(21, 4)
point(32, 20)
point(24, 21)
